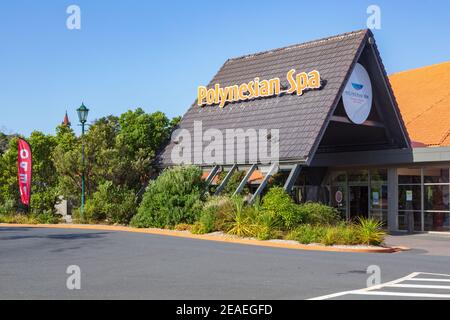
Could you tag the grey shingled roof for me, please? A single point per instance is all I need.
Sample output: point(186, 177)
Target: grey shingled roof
point(300, 119)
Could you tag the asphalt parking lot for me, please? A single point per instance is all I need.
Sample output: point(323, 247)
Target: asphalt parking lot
point(121, 265)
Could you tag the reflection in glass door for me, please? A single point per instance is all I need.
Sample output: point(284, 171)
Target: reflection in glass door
point(359, 202)
point(360, 193)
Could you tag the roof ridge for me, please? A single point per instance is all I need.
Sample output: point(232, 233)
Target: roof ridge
point(420, 68)
point(301, 45)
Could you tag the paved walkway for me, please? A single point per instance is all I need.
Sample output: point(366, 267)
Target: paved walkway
point(424, 243)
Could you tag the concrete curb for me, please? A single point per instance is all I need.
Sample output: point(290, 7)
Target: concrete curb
point(181, 234)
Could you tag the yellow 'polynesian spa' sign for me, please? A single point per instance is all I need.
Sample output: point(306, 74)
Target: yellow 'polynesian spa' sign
point(258, 88)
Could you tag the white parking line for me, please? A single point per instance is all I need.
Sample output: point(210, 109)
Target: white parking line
point(431, 280)
point(404, 294)
point(418, 286)
point(398, 284)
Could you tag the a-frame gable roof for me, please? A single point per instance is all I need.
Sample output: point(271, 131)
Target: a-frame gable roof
point(301, 120)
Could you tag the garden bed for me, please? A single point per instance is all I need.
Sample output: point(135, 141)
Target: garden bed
point(217, 237)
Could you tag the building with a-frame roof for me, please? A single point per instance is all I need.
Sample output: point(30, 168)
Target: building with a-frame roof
point(345, 142)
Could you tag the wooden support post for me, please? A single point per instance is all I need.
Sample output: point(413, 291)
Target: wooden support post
point(211, 175)
point(295, 172)
point(225, 180)
point(245, 180)
point(273, 169)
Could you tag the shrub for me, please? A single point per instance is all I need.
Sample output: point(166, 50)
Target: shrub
point(44, 200)
point(267, 225)
point(110, 203)
point(340, 235)
point(307, 234)
point(48, 217)
point(330, 236)
point(174, 197)
point(206, 223)
point(319, 214)
point(281, 206)
point(221, 207)
point(349, 234)
point(183, 227)
point(7, 208)
point(370, 231)
point(18, 219)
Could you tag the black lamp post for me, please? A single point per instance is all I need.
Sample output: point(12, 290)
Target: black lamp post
point(82, 116)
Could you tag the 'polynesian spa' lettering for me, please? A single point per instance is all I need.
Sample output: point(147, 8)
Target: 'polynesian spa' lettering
point(258, 88)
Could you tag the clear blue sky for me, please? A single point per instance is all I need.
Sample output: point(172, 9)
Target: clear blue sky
point(154, 54)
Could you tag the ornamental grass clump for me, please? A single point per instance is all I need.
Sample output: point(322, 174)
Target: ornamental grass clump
point(370, 231)
point(240, 220)
point(206, 223)
point(365, 232)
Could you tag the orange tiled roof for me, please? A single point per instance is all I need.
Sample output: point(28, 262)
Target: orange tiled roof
point(256, 176)
point(423, 96)
point(215, 180)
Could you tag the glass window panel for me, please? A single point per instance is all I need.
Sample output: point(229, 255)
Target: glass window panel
point(417, 221)
point(358, 176)
point(378, 176)
point(379, 215)
point(343, 204)
point(402, 221)
point(437, 197)
point(338, 177)
point(409, 176)
point(379, 197)
point(436, 175)
point(409, 198)
point(437, 221)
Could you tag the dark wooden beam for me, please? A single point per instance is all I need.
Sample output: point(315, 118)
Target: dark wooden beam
point(225, 180)
point(245, 180)
point(211, 175)
point(273, 169)
point(295, 172)
point(367, 123)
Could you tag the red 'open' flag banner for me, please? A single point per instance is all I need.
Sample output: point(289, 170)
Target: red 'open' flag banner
point(24, 166)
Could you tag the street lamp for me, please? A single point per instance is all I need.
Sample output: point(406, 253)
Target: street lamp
point(82, 116)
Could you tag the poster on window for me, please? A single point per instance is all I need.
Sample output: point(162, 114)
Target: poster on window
point(375, 198)
point(409, 195)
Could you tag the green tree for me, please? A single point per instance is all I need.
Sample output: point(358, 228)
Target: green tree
point(110, 203)
point(65, 138)
point(100, 153)
point(44, 193)
point(119, 150)
point(67, 163)
point(9, 187)
point(140, 138)
point(4, 142)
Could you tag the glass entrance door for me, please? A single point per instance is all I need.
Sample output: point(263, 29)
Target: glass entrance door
point(359, 201)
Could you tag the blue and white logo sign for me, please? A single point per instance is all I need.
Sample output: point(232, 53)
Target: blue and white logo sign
point(357, 96)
